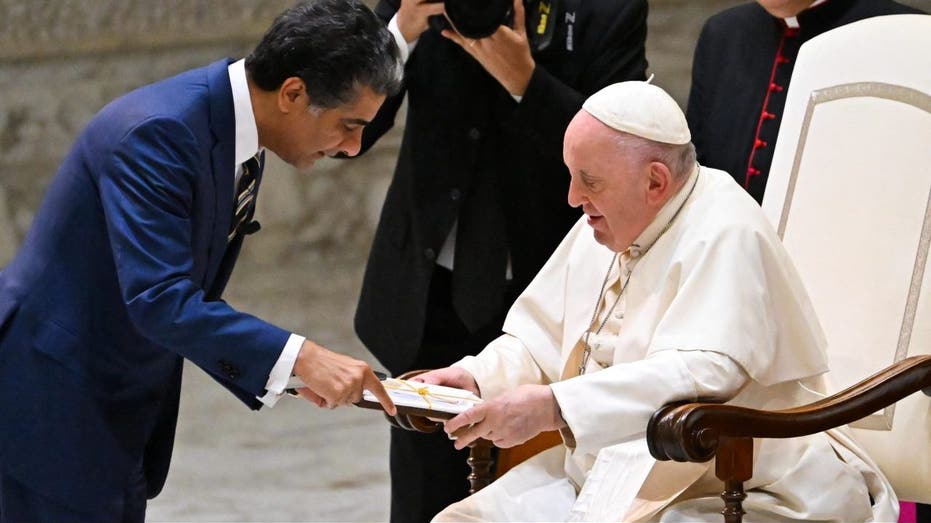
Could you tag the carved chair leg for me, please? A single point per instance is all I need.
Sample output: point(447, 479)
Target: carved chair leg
point(480, 461)
point(733, 497)
point(733, 466)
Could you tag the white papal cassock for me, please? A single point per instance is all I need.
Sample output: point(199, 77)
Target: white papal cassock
point(712, 307)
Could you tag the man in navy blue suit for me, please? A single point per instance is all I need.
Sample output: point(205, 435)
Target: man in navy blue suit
point(120, 276)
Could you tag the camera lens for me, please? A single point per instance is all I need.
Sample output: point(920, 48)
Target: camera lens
point(478, 18)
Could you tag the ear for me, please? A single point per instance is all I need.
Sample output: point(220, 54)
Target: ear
point(292, 95)
point(659, 182)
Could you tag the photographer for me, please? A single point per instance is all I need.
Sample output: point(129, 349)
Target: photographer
point(477, 203)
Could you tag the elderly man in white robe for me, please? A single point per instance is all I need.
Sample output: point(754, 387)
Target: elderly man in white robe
point(673, 286)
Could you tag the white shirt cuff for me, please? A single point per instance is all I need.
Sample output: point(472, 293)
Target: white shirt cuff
point(281, 372)
point(405, 48)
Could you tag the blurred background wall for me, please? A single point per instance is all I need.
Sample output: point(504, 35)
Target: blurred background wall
point(62, 60)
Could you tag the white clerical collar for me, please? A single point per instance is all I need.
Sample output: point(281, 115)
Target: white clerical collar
point(792, 21)
point(664, 217)
point(247, 134)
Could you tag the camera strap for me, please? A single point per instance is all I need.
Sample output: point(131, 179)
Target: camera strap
point(542, 18)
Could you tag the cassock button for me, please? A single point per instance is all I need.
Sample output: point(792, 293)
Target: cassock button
point(429, 254)
point(759, 144)
point(775, 87)
point(474, 133)
point(768, 116)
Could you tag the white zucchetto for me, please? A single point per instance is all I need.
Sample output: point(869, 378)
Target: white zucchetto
point(640, 109)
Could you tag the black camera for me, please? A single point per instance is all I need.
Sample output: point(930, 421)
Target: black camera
point(474, 18)
point(477, 19)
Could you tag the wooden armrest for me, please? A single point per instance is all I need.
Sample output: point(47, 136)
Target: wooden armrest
point(693, 431)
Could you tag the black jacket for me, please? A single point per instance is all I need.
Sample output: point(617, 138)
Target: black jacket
point(471, 153)
point(740, 78)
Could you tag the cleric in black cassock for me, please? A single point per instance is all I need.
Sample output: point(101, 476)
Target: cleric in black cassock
point(740, 77)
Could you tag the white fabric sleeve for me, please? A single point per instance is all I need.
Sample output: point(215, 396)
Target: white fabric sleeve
point(504, 364)
point(281, 372)
point(405, 48)
point(614, 405)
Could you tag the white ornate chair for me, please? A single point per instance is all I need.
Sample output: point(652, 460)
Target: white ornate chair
point(850, 194)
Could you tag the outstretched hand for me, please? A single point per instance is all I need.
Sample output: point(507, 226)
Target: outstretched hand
point(509, 419)
point(505, 54)
point(335, 380)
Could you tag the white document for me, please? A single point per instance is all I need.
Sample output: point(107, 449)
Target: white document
point(423, 396)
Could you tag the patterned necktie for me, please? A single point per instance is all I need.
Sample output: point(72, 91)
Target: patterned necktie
point(244, 206)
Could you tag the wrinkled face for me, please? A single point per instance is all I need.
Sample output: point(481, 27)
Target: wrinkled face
point(784, 8)
point(308, 134)
point(611, 189)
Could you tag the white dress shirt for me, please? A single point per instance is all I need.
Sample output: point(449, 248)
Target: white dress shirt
point(247, 146)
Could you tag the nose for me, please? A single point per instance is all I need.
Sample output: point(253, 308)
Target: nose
point(575, 197)
point(352, 143)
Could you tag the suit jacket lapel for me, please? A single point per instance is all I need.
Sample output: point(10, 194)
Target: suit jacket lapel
point(223, 127)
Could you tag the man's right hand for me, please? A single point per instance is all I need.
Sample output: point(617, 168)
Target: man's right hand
point(413, 14)
point(450, 377)
point(334, 379)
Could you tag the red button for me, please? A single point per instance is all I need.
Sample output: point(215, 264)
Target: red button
point(774, 87)
point(782, 59)
point(759, 144)
point(768, 116)
point(753, 172)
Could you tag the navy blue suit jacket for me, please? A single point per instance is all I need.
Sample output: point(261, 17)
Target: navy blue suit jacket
point(117, 281)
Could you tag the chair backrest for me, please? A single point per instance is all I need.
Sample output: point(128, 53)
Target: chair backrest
point(850, 194)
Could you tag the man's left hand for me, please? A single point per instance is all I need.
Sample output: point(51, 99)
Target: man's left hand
point(505, 54)
point(508, 420)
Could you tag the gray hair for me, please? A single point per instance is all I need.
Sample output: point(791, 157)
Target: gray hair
point(680, 159)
